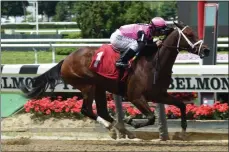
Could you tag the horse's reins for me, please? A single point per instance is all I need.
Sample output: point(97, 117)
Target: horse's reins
point(187, 40)
point(157, 68)
point(176, 47)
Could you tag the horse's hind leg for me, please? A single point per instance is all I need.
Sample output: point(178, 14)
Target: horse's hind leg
point(143, 107)
point(101, 105)
point(120, 116)
point(88, 95)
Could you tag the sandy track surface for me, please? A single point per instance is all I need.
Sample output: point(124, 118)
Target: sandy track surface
point(81, 142)
point(111, 145)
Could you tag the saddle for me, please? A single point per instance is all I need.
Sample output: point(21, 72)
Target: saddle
point(103, 63)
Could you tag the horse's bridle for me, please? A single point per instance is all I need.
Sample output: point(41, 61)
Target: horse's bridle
point(187, 40)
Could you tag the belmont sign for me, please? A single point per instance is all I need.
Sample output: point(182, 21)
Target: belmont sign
point(178, 84)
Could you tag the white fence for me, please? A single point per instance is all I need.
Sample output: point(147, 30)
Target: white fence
point(84, 43)
point(55, 23)
point(49, 31)
point(177, 69)
point(42, 31)
point(187, 78)
point(221, 40)
point(40, 23)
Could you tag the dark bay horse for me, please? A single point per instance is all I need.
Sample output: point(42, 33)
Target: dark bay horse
point(148, 79)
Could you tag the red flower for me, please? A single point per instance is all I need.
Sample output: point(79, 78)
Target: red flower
point(73, 105)
point(152, 109)
point(48, 112)
point(75, 110)
point(36, 109)
point(67, 110)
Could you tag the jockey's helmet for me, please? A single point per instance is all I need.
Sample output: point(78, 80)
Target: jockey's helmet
point(158, 23)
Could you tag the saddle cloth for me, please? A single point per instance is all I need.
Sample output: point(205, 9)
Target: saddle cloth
point(103, 62)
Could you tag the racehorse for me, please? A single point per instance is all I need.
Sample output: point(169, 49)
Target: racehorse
point(148, 78)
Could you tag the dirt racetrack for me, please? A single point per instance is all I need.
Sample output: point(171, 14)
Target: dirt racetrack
point(112, 145)
point(21, 133)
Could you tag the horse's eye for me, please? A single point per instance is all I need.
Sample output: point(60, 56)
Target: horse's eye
point(190, 35)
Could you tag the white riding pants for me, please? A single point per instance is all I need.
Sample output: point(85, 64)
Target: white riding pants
point(123, 43)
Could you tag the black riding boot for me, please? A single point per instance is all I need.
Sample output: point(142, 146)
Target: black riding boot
point(122, 62)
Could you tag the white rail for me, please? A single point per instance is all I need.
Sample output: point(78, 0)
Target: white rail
point(177, 69)
point(40, 23)
point(55, 23)
point(46, 31)
point(185, 78)
point(53, 40)
point(224, 39)
point(85, 41)
point(48, 45)
point(71, 45)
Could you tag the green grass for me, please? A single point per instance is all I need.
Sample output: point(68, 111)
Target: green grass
point(27, 57)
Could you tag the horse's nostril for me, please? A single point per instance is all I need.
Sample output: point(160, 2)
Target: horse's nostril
point(206, 52)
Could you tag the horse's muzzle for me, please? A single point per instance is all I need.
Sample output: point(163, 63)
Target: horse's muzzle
point(204, 53)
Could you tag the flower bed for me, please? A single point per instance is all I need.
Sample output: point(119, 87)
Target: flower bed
point(184, 96)
point(72, 106)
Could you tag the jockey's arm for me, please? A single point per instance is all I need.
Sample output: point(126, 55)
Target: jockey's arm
point(152, 43)
point(142, 40)
point(141, 36)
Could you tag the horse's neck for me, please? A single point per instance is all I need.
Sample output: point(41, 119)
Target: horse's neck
point(167, 55)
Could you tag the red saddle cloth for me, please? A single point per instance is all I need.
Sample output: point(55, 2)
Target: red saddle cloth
point(103, 62)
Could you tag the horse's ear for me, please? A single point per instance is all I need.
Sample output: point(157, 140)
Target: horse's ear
point(178, 25)
point(181, 23)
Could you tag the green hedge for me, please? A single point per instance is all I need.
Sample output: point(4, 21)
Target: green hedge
point(75, 35)
point(65, 51)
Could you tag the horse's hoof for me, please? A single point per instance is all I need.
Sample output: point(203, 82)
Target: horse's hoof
point(122, 136)
point(128, 120)
point(153, 122)
point(179, 136)
point(113, 134)
point(163, 138)
point(136, 125)
point(131, 136)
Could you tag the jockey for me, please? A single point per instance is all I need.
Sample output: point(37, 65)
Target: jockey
point(130, 39)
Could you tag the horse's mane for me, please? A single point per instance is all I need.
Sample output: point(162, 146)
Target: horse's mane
point(149, 50)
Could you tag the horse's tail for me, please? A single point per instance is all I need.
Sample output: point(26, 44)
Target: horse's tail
point(41, 83)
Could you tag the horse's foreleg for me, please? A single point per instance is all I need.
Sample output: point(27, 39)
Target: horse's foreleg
point(119, 114)
point(170, 100)
point(162, 122)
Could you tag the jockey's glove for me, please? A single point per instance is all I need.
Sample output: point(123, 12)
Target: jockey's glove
point(141, 36)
